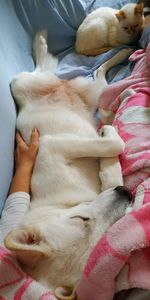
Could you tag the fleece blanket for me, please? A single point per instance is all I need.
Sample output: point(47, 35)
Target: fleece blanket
point(128, 101)
point(121, 259)
point(16, 285)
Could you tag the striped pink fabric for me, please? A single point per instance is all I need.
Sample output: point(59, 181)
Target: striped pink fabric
point(132, 121)
point(129, 100)
point(121, 259)
point(15, 284)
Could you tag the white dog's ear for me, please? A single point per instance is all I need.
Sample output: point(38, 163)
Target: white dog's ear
point(65, 293)
point(28, 245)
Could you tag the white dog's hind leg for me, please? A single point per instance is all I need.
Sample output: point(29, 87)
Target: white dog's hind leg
point(116, 59)
point(44, 60)
point(100, 82)
point(40, 50)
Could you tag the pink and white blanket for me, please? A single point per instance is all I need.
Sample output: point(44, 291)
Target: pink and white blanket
point(128, 101)
point(15, 284)
point(121, 259)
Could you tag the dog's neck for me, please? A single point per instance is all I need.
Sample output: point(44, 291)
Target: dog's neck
point(69, 271)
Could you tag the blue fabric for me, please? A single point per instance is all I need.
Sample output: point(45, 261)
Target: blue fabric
point(19, 20)
point(145, 38)
point(93, 4)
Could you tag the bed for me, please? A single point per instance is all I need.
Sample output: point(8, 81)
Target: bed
point(62, 19)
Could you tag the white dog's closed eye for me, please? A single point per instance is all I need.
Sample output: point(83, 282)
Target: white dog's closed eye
point(84, 222)
point(85, 219)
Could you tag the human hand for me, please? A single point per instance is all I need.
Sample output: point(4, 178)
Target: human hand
point(25, 155)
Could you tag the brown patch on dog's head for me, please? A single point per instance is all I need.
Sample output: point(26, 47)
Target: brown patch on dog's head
point(120, 15)
point(139, 9)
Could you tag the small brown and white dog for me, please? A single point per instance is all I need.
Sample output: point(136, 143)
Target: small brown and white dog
point(67, 215)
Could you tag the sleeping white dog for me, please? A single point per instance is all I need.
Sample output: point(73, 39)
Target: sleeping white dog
point(67, 216)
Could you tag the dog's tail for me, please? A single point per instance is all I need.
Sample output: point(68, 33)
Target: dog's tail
point(44, 60)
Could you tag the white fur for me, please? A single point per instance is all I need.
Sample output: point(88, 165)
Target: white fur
point(101, 29)
point(54, 244)
point(57, 235)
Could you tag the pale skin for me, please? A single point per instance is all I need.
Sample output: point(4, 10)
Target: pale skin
point(25, 156)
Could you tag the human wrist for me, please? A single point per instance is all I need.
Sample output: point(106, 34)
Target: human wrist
point(22, 179)
point(24, 169)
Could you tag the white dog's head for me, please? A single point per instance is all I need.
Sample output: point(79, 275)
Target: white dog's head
point(54, 244)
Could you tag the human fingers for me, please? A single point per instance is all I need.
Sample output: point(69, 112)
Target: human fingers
point(34, 136)
point(20, 140)
point(34, 142)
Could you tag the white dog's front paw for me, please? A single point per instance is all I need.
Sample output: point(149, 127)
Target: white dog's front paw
point(108, 131)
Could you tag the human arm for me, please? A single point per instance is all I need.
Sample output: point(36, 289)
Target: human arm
point(24, 160)
point(18, 201)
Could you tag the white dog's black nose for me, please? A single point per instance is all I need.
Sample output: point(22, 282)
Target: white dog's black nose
point(124, 192)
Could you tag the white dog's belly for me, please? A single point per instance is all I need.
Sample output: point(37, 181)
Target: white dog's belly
point(57, 120)
point(58, 181)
